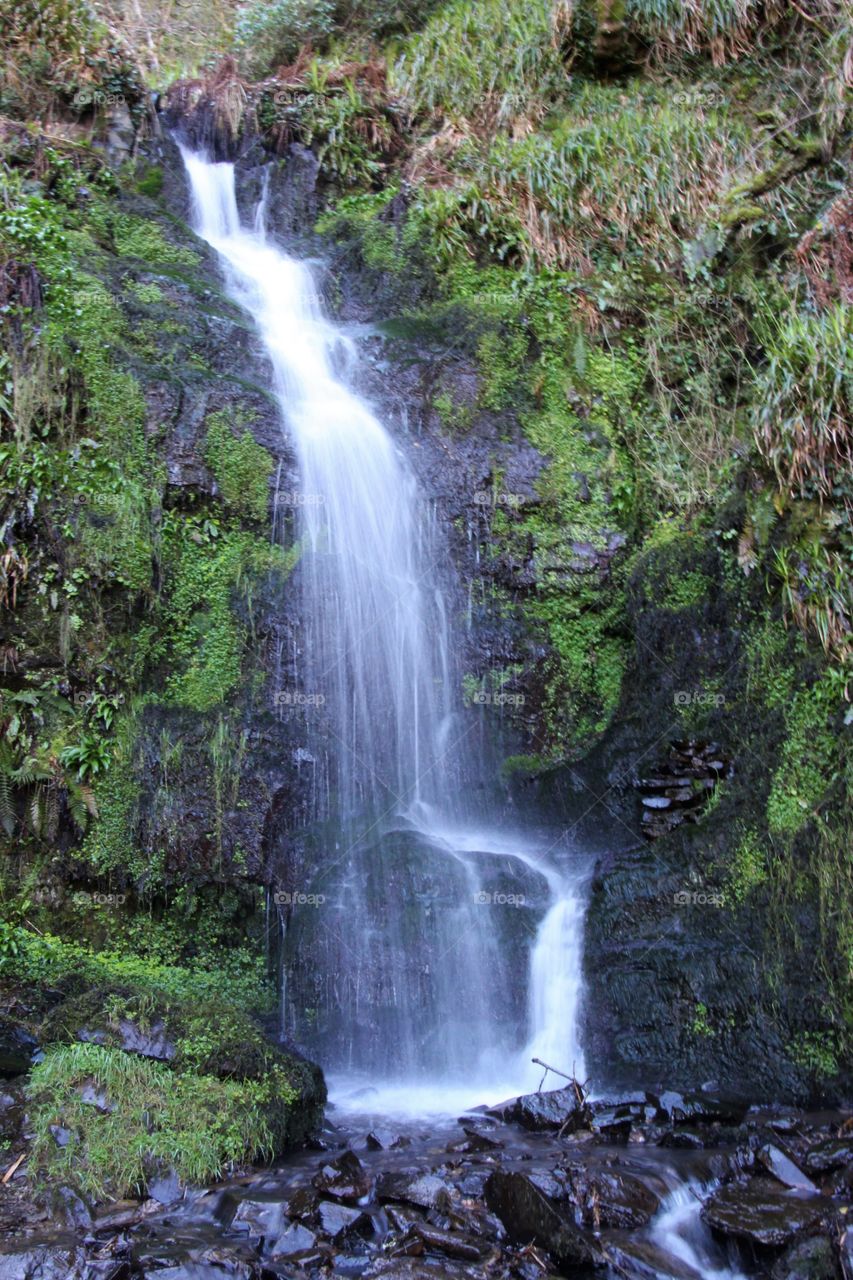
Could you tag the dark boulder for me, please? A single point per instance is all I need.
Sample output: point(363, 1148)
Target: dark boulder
point(532, 1218)
point(551, 1109)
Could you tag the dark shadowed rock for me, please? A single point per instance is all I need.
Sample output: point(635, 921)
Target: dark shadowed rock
point(812, 1259)
point(762, 1212)
point(531, 1218)
point(17, 1048)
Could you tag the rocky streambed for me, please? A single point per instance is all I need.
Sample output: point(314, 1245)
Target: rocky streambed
point(548, 1184)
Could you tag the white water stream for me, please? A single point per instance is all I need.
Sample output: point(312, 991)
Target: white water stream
point(408, 874)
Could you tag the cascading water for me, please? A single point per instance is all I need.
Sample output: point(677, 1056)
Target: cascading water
point(419, 955)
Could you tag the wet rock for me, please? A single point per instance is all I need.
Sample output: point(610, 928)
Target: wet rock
point(472, 1184)
point(685, 1139)
point(167, 1189)
point(834, 1153)
point(531, 1218)
point(783, 1169)
point(42, 1262)
point(386, 1140)
point(152, 1043)
point(296, 1239)
point(638, 1259)
point(475, 1140)
point(426, 1191)
point(551, 1109)
point(302, 1203)
point(261, 1218)
point(339, 1220)
point(608, 1199)
point(72, 1209)
point(680, 785)
point(702, 1108)
point(450, 1244)
point(762, 1212)
point(812, 1259)
point(345, 1179)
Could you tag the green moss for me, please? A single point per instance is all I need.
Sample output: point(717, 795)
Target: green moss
point(140, 238)
point(109, 843)
point(242, 467)
point(808, 762)
point(204, 640)
point(686, 590)
point(357, 219)
point(748, 869)
point(151, 182)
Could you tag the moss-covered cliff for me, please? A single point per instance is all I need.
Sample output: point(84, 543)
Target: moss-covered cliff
point(608, 253)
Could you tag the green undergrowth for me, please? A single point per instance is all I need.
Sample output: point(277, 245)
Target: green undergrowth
point(147, 1120)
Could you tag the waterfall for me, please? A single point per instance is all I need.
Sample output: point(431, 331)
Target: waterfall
point(431, 948)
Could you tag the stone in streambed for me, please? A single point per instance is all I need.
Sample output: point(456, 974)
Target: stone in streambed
point(386, 1140)
point(762, 1212)
point(532, 1218)
point(604, 1198)
point(340, 1221)
point(834, 1153)
point(426, 1191)
point(344, 1179)
point(450, 1244)
point(701, 1108)
point(634, 1258)
point(296, 1239)
point(266, 1218)
point(783, 1169)
point(551, 1109)
point(42, 1262)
